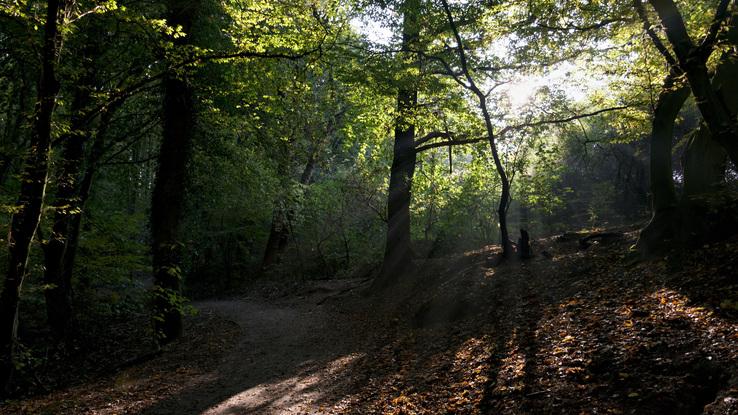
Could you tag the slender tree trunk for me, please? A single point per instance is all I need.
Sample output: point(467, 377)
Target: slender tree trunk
point(72, 195)
point(26, 219)
point(398, 249)
point(282, 217)
point(481, 96)
point(504, 180)
point(168, 197)
point(524, 215)
point(85, 188)
point(279, 233)
point(66, 206)
point(5, 161)
point(15, 118)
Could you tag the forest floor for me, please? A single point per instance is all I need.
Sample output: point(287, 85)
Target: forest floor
point(569, 331)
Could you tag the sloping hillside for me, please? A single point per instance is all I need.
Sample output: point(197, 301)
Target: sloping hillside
point(572, 330)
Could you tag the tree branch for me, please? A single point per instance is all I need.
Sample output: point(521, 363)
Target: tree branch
point(676, 31)
point(518, 127)
point(648, 27)
point(450, 143)
point(577, 28)
point(462, 53)
point(708, 43)
point(558, 121)
point(431, 136)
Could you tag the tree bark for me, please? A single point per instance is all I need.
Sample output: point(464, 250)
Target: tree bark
point(704, 164)
point(168, 196)
point(398, 250)
point(66, 205)
point(72, 194)
point(669, 104)
point(28, 214)
point(482, 97)
point(693, 61)
point(279, 233)
point(704, 160)
point(282, 217)
point(504, 180)
point(665, 215)
point(13, 141)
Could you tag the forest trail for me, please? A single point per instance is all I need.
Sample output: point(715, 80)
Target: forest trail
point(291, 353)
point(571, 331)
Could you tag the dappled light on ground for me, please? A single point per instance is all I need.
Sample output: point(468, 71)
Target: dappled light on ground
point(511, 373)
point(579, 331)
point(583, 331)
point(369, 207)
point(279, 396)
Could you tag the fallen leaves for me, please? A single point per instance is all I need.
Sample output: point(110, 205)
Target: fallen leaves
point(586, 333)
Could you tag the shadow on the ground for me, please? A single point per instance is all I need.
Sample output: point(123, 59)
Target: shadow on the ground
point(581, 331)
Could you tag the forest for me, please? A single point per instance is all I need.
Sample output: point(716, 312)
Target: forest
point(369, 207)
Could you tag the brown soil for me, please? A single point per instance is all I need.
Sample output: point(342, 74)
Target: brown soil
point(573, 331)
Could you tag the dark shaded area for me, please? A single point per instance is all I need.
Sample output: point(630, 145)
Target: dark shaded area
point(569, 333)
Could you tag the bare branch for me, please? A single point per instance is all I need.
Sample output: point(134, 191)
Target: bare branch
point(587, 28)
point(450, 143)
point(431, 136)
point(461, 52)
point(559, 120)
point(518, 127)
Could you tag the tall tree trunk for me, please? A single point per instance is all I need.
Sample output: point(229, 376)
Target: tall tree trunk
point(279, 233)
point(28, 215)
point(504, 180)
point(283, 216)
point(482, 97)
point(704, 160)
point(71, 196)
point(15, 118)
point(398, 250)
point(669, 104)
point(693, 61)
point(66, 205)
point(665, 214)
point(168, 197)
point(85, 187)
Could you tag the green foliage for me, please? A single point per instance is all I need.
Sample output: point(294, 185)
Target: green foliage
point(295, 117)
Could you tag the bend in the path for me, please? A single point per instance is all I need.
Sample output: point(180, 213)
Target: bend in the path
point(291, 355)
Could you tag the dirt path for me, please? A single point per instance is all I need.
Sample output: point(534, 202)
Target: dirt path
point(584, 332)
point(291, 354)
